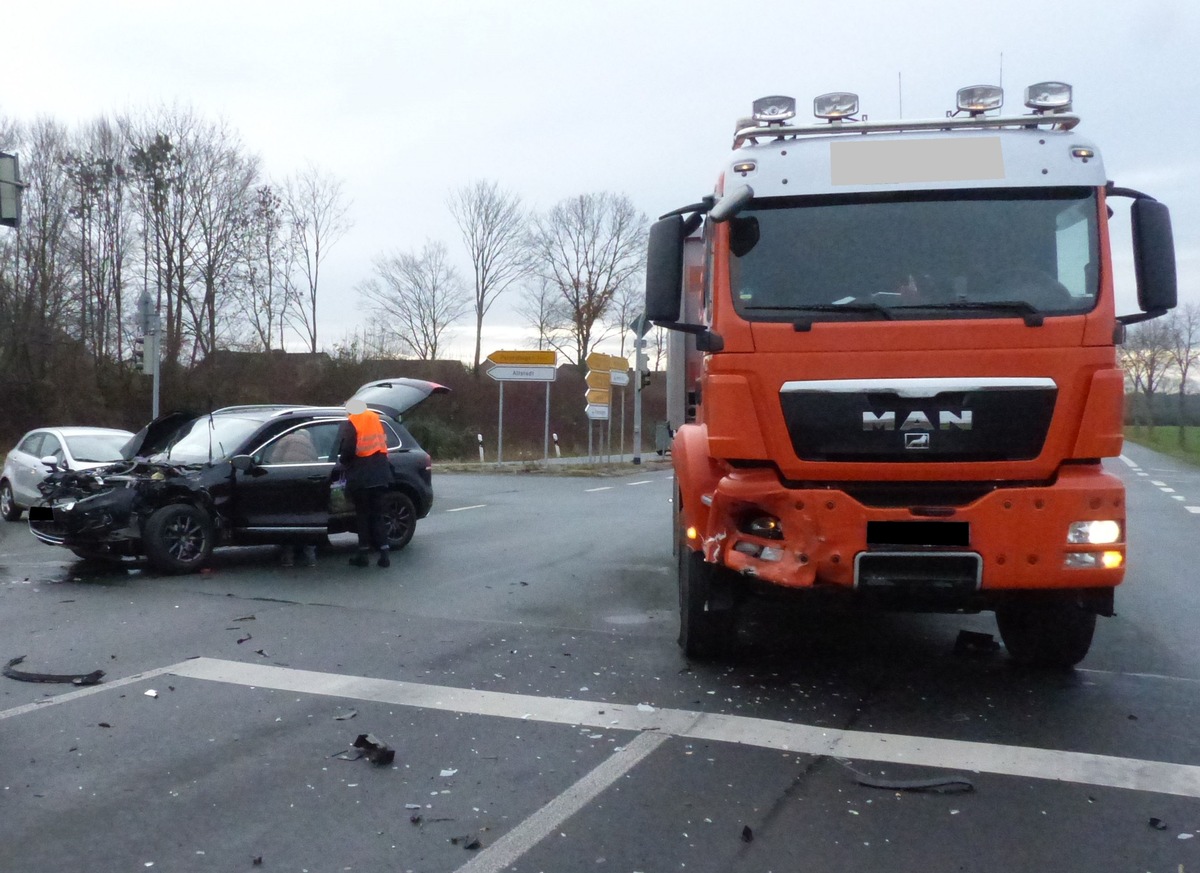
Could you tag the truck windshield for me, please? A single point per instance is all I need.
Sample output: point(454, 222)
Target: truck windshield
point(917, 255)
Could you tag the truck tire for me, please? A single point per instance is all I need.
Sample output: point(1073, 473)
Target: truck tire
point(178, 538)
point(704, 632)
point(1048, 630)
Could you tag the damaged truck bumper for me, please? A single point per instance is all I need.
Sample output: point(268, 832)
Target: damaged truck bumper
point(1066, 534)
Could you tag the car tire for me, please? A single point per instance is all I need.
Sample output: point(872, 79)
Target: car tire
point(8, 503)
point(1050, 630)
point(178, 538)
point(400, 519)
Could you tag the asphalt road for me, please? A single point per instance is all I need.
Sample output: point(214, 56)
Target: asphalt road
point(519, 657)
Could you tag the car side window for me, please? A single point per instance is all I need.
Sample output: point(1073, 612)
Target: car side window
point(324, 437)
point(393, 438)
point(51, 446)
point(31, 444)
point(294, 447)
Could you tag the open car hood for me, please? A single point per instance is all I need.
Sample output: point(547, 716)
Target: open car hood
point(156, 436)
point(393, 397)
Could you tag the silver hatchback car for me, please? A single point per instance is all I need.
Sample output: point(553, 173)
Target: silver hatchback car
point(53, 448)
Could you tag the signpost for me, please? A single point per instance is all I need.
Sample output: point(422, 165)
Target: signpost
point(605, 372)
point(522, 365)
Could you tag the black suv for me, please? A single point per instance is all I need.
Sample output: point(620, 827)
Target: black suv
point(241, 475)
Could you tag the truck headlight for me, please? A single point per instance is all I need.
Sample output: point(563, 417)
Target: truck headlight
point(1096, 533)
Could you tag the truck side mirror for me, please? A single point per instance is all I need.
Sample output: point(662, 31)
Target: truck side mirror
point(1153, 256)
point(664, 269)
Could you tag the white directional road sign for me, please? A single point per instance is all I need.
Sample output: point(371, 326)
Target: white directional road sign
point(620, 378)
point(597, 411)
point(531, 373)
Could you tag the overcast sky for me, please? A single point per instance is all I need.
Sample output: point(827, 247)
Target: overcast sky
point(406, 100)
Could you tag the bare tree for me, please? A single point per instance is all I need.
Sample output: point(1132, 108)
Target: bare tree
point(261, 288)
point(418, 296)
point(541, 307)
point(38, 308)
point(1183, 352)
point(96, 170)
point(628, 302)
point(1146, 360)
point(318, 214)
point(493, 227)
point(588, 247)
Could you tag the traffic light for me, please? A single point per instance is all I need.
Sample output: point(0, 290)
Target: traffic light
point(645, 379)
point(139, 352)
point(145, 312)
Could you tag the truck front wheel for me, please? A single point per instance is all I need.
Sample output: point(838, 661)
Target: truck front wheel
point(1046, 630)
point(707, 616)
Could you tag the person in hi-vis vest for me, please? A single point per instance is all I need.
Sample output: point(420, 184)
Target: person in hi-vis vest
point(362, 452)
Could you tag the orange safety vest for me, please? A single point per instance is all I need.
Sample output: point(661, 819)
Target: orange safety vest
point(369, 429)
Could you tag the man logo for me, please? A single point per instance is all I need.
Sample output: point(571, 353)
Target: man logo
point(917, 420)
point(916, 440)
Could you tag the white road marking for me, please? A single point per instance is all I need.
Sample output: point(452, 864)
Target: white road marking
point(643, 482)
point(1167, 490)
point(1129, 462)
point(1060, 766)
point(1192, 509)
point(1179, 497)
point(590, 490)
point(509, 848)
point(464, 508)
point(1156, 482)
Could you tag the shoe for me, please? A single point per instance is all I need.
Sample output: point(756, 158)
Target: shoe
point(384, 560)
point(360, 559)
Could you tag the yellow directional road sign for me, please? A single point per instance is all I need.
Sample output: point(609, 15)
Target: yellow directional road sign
point(523, 356)
point(597, 379)
point(598, 395)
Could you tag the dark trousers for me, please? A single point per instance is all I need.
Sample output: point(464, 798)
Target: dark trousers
point(368, 509)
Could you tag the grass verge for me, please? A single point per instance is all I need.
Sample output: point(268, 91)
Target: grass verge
point(1166, 440)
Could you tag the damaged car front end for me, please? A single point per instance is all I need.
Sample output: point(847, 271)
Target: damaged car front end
point(105, 512)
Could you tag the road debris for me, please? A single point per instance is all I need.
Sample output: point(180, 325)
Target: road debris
point(92, 678)
point(747, 834)
point(975, 643)
point(1158, 824)
point(150, 692)
point(446, 774)
point(346, 715)
point(938, 784)
point(374, 750)
point(468, 842)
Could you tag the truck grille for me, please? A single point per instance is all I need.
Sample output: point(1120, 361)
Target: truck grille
point(919, 420)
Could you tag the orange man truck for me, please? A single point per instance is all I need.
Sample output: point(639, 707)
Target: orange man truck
point(896, 352)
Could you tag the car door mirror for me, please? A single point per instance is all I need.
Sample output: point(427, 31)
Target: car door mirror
point(53, 462)
point(245, 463)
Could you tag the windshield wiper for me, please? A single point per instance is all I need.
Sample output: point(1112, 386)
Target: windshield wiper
point(803, 324)
point(1032, 316)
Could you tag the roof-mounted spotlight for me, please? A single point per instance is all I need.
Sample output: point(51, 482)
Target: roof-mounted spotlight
point(978, 99)
point(1048, 97)
point(836, 105)
point(774, 110)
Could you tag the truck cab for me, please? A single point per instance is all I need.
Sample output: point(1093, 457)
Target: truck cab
point(895, 365)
